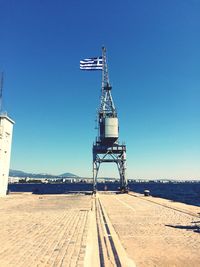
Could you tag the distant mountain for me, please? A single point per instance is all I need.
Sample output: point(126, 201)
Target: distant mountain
point(17, 173)
point(67, 174)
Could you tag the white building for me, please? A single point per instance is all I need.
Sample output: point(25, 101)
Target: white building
point(6, 128)
point(12, 180)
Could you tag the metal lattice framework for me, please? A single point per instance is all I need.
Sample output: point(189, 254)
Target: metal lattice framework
point(107, 107)
point(104, 150)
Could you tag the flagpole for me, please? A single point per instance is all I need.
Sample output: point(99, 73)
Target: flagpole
point(103, 68)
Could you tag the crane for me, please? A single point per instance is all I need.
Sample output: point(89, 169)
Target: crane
point(106, 148)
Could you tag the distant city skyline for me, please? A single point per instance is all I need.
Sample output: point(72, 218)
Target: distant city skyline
point(153, 61)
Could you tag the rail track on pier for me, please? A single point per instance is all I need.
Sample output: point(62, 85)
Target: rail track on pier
point(185, 211)
point(111, 252)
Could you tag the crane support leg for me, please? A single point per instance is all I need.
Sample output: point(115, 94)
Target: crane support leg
point(115, 154)
point(96, 166)
point(121, 164)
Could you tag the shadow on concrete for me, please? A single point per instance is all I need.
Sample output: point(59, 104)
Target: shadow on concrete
point(195, 227)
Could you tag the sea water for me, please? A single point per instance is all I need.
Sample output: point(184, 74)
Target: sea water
point(188, 193)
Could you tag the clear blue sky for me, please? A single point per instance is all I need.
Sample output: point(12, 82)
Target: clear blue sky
point(154, 67)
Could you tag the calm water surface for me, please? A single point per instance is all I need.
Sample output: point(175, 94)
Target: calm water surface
point(182, 192)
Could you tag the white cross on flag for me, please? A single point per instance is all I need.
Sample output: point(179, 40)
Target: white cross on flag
point(94, 63)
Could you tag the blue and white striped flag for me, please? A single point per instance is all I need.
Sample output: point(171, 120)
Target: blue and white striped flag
point(94, 63)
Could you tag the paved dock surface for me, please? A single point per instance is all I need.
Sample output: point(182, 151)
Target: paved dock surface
point(44, 230)
point(155, 232)
point(66, 230)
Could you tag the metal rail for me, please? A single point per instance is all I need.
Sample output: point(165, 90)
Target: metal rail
point(166, 206)
point(107, 249)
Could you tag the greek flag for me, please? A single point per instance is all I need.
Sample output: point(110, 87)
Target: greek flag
point(94, 63)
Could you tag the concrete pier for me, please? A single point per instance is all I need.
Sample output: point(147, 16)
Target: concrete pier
point(106, 230)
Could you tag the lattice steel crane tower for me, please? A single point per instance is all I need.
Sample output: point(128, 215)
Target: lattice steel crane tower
point(107, 148)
